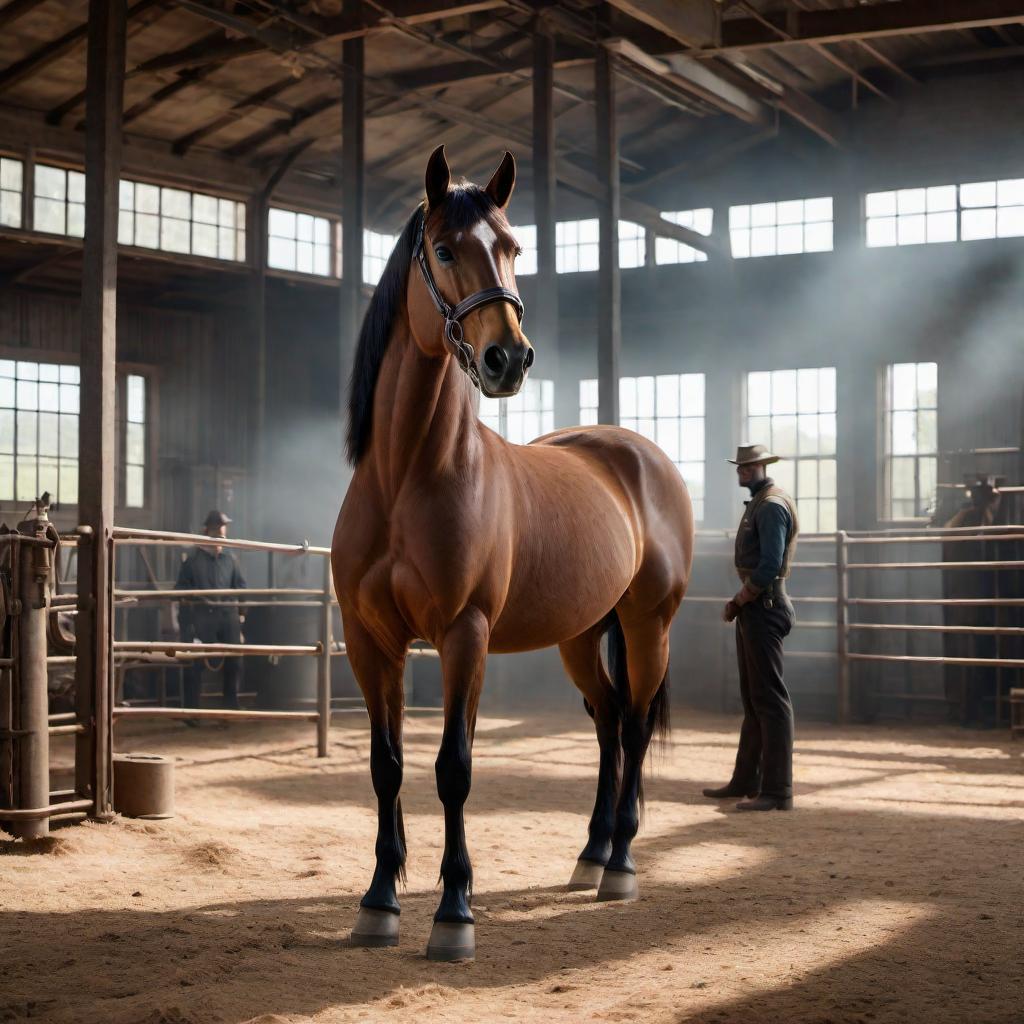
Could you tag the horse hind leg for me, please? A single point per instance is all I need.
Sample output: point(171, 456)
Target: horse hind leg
point(581, 657)
point(639, 661)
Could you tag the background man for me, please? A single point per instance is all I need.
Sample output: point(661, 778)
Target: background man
point(765, 544)
point(210, 567)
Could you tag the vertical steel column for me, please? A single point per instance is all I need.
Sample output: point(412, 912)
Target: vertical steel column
point(353, 192)
point(323, 678)
point(543, 327)
point(32, 707)
point(256, 233)
point(104, 97)
point(842, 628)
point(609, 283)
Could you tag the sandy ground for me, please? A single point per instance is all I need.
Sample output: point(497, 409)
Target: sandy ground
point(894, 891)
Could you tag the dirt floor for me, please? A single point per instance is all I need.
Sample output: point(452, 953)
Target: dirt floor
point(894, 891)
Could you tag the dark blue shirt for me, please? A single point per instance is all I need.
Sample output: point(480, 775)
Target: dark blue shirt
point(773, 525)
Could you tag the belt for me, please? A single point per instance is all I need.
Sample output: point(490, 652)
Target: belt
point(775, 591)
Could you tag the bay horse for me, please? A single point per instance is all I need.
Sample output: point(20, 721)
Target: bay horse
point(452, 535)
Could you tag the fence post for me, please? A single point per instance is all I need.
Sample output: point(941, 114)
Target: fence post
point(32, 721)
point(323, 679)
point(842, 630)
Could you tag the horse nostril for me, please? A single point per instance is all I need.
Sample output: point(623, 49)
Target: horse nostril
point(495, 359)
point(528, 361)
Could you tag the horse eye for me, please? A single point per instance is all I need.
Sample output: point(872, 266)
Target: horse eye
point(444, 254)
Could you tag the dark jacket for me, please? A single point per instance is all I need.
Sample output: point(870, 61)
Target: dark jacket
point(203, 570)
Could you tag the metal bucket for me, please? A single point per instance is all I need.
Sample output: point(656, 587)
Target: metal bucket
point(143, 786)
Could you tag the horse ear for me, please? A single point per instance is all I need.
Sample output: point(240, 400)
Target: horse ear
point(499, 188)
point(438, 178)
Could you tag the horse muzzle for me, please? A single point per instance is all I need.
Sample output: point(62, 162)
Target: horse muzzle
point(503, 368)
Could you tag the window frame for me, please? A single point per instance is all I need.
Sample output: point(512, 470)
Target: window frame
point(886, 456)
point(797, 457)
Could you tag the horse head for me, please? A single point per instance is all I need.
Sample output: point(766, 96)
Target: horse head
point(466, 253)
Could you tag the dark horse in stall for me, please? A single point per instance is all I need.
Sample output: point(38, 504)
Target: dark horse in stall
point(450, 534)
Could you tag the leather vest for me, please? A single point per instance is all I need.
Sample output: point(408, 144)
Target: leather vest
point(748, 543)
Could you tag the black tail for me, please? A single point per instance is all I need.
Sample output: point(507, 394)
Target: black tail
point(658, 715)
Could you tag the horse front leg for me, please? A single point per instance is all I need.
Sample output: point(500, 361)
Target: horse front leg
point(380, 678)
point(463, 656)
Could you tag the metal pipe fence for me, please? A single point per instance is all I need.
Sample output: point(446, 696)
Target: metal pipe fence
point(846, 630)
point(28, 813)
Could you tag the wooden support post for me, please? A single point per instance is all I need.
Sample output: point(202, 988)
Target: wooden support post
point(842, 628)
point(323, 676)
point(104, 97)
point(353, 194)
point(543, 327)
point(609, 283)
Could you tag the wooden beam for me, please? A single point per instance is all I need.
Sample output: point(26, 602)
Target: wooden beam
point(694, 23)
point(717, 86)
point(609, 277)
point(15, 9)
point(184, 143)
point(868, 21)
point(96, 438)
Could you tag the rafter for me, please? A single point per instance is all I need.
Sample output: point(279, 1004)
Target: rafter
point(54, 50)
point(866, 21)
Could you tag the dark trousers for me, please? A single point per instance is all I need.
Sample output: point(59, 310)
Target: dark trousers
point(215, 627)
point(764, 761)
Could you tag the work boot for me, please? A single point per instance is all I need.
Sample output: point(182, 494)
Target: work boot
point(727, 792)
point(766, 803)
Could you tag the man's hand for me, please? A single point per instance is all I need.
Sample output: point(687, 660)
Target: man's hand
point(731, 610)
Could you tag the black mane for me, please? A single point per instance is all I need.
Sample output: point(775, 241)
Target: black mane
point(385, 303)
point(464, 206)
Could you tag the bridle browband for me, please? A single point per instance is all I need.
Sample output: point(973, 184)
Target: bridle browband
point(453, 315)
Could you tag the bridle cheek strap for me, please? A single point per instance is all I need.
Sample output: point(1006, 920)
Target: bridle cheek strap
point(454, 315)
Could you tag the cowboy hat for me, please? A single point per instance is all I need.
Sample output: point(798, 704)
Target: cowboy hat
point(750, 454)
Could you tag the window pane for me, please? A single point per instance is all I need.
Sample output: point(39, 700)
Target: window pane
point(807, 478)
point(827, 478)
point(904, 433)
point(668, 395)
point(902, 478)
point(134, 496)
point(784, 435)
point(693, 394)
point(50, 183)
point(784, 391)
point(758, 394)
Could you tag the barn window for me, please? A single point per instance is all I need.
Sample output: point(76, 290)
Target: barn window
point(576, 246)
point(911, 216)
point(668, 409)
point(298, 241)
point(179, 221)
point(377, 248)
point(522, 417)
point(59, 201)
point(11, 186)
point(588, 402)
point(526, 261)
point(668, 250)
point(911, 440)
point(992, 209)
point(780, 229)
point(793, 413)
point(632, 244)
point(133, 430)
point(38, 430)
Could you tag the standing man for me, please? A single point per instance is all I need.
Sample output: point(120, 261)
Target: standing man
point(213, 620)
point(763, 612)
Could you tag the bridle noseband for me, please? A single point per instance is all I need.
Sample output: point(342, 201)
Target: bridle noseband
point(453, 315)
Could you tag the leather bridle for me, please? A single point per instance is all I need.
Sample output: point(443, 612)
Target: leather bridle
point(453, 315)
